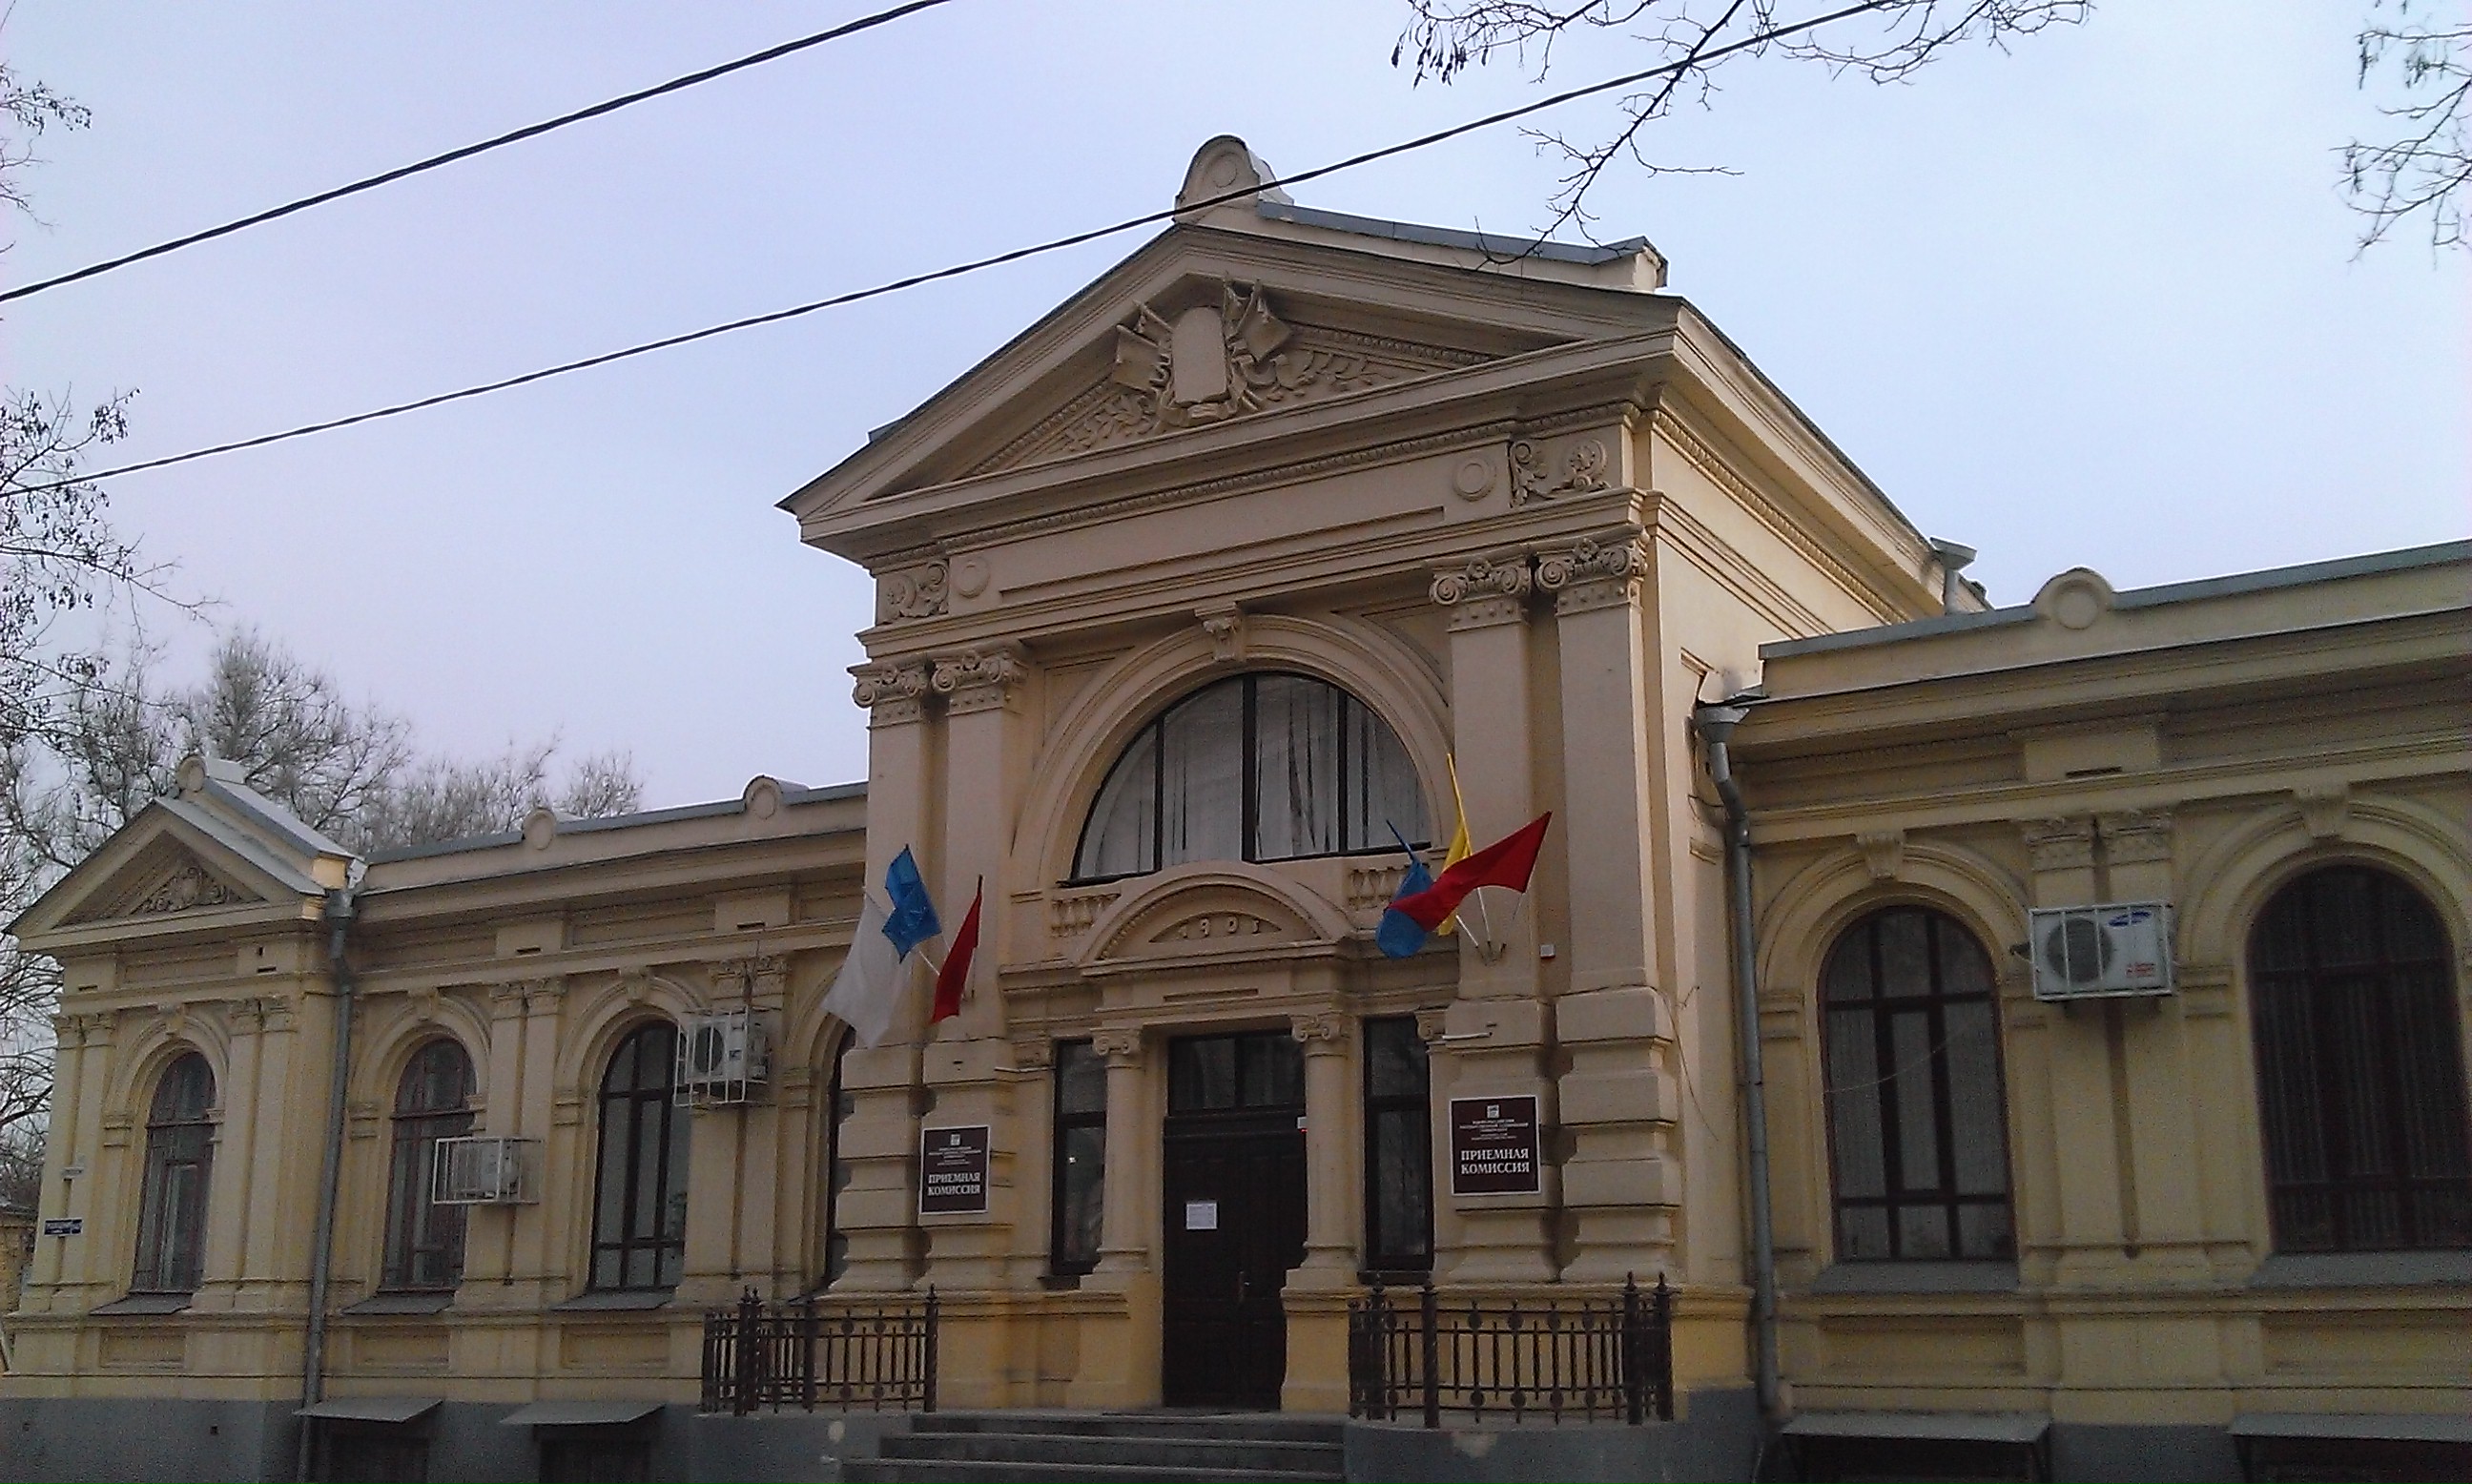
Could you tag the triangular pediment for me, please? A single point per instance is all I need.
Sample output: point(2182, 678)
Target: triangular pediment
point(211, 851)
point(1226, 322)
point(165, 876)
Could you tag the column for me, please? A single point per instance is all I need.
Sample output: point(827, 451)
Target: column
point(878, 1209)
point(1123, 1232)
point(1621, 1179)
point(1119, 1346)
point(968, 1061)
point(1496, 1031)
point(1334, 1147)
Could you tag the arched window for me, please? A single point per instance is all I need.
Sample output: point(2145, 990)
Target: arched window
point(179, 1155)
point(1259, 768)
point(2359, 1067)
point(639, 1207)
point(424, 1243)
point(1917, 1124)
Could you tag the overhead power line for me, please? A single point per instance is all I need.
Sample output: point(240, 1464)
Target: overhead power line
point(529, 131)
point(975, 265)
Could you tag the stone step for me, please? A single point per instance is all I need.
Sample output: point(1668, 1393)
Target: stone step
point(1216, 1426)
point(952, 1470)
point(1155, 1450)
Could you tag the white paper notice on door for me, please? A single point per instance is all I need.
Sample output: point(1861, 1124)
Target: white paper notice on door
point(1202, 1215)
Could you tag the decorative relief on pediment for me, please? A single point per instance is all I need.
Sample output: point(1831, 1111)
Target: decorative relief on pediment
point(188, 887)
point(1209, 363)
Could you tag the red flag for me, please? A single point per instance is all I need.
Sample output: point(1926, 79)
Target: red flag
point(1507, 862)
point(951, 979)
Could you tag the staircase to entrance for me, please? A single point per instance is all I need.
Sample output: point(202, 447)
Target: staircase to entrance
point(1171, 1447)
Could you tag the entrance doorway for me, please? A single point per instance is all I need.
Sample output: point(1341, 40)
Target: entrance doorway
point(1235, 1217)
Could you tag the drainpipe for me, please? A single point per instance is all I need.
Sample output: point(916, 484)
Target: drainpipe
point(1954, 558)
point(322, 1252)
point(1716, 723)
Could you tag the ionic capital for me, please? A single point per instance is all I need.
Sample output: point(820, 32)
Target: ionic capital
point(893, 691)
point(1604, 569)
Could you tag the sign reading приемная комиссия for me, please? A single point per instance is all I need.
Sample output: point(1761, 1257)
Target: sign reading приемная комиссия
point(953, 1170)
point(1493, 1145)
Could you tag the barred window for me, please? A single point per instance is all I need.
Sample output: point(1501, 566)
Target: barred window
point(180, 1157)
point(1256, 767)
point(1918, 1123)
point(2359, 1067)
point(434, 1101)
point(639, 1209)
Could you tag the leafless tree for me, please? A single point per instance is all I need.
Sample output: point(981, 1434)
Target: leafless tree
point(114, 736)
point(2421, 171)
point(1688, 42)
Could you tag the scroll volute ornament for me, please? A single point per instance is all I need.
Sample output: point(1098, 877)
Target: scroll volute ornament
point(1122, 1047)
point(1596, 571)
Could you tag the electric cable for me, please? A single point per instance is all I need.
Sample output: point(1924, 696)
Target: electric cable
point(958, 270)
point(528, 132)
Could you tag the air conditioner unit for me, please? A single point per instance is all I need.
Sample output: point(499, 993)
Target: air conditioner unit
point(722, 1058)
point(2105, 951)
point(486, 1171)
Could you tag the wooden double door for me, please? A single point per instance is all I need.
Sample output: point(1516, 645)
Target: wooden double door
point(1234, 1218)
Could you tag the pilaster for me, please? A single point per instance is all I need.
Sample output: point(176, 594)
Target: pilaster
point(1622, 1178)
point(1492, 742)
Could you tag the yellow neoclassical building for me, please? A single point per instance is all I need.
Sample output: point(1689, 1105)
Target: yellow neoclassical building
point(1791, 1082)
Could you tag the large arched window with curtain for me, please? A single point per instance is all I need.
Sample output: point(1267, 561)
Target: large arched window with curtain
point(425, 1241)
point(639, 1204)
point(1259, 767)
point(2359, 1067)
point(1916, 1120)
point(171, 1200)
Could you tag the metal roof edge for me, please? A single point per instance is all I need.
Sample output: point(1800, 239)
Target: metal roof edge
point(2234, 585)
point(793, 795)
point(1588, 253)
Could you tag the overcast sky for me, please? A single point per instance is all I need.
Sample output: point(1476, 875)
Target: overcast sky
point(2094, 301)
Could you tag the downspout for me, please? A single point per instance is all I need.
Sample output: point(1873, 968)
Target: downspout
point(1716, 723)
point(322, 1252)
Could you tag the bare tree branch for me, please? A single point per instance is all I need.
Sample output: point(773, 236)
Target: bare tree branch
point(1882, 41)
point(2421, 171)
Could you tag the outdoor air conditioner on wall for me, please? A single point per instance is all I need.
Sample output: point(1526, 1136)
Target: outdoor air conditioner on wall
point(2103, 952)
point(722, 1058)
point(486, 1171)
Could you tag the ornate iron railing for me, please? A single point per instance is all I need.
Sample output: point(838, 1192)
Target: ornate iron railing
point(803, 1353)
point(1506, 1360)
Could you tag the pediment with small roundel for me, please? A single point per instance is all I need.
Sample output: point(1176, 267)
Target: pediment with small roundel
point(1212, 914)
point(1212, 351)
point(164, 879)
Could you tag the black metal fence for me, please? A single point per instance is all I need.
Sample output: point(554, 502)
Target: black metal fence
point(803, 1353)
point(1503, 1360)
